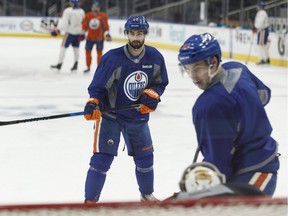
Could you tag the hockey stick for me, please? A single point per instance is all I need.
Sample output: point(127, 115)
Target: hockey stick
point(43, 29)
point(41, 32)
point(3, 123)
point(250, 49)
point(196, 155)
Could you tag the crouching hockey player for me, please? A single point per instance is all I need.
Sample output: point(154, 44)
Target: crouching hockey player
point(128, 75)
point(232, 127)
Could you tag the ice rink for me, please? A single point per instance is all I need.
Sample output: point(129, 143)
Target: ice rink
point(47, 161)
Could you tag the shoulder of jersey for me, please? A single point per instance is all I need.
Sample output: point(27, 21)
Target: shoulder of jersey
point(153, 50)
point(102, 14)
point(114, 53)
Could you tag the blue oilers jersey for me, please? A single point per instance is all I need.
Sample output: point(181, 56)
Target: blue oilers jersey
point(233, 130)
point(120, 79)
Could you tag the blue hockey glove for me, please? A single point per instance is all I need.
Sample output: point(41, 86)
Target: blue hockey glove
point(55, 32)
point(148, 101)
point(92, 109)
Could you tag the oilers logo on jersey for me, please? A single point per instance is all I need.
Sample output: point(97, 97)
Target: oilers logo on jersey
point(94, 23)
point(135, 84)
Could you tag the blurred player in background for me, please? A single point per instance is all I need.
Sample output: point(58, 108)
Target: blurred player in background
point(96, 24)
point(233, 129)
point(71, 23)
point(202, 180)
point(261, 25)
point(132, 74)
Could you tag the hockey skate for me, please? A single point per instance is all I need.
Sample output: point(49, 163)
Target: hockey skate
point(75, 67)
point(87, 70)
point(263, 62)
point(90, 201)
point(148, 197)
point(58, 66)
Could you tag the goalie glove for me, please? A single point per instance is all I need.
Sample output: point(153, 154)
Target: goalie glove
point(148, 101)
point(92, 109)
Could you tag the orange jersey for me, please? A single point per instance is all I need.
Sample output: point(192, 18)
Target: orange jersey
point(95, 25)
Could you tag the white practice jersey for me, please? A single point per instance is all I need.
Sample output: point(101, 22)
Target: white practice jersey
point(71, 21)
point(261, 20)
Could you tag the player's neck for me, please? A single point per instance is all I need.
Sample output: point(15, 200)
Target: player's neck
point(135, 52)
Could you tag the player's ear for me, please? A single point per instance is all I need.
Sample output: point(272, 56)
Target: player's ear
point(215, 61)
point(212, 62)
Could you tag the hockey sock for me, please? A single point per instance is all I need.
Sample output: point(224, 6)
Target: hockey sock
point(265, 52)
point(99, 55)
point(145, 174)
point(76, 53)
point(62, 54)
point(88, 58)
point(262, 52)
point(96, 175)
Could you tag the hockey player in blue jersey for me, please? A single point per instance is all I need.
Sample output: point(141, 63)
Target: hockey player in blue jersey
point(233, 130)
point(132, 74)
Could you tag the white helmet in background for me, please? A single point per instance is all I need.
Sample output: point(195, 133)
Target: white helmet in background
point(200, 176)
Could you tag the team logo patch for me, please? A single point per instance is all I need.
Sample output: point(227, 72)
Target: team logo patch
point(135, 84)
point(186, 46)
point(94, 23)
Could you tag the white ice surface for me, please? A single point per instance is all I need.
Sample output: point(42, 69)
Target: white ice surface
point(47, 161)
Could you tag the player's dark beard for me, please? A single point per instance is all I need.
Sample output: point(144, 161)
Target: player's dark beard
point(136, 44)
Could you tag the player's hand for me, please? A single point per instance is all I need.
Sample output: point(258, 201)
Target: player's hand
point(92, 109)
point(108, 37)
point(55, 32)
point(148, 101)
point(254, 30)
point(81, 38)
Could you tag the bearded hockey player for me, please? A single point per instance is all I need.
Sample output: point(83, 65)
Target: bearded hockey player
point(132, 74)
